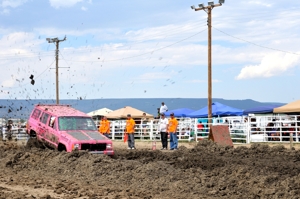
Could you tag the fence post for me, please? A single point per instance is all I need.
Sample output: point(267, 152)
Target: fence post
point(113, 131)
point(151, 130)
point(195, 130)
point(296, 131)
point(248, 130)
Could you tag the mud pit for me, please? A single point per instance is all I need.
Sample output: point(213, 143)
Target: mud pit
point(205, 171)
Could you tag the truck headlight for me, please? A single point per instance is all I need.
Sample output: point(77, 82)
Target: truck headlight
point(108, 146)
point(76, 146)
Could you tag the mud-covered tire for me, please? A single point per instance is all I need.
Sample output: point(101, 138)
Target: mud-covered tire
point(61, 147)
point(34, 143)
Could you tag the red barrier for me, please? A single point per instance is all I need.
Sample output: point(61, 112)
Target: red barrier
point(220, 135)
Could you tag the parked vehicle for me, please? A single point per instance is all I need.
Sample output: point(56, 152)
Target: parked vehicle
point(66, 129)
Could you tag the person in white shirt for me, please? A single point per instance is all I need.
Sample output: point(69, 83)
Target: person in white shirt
point(163, 108)
point(163, 125)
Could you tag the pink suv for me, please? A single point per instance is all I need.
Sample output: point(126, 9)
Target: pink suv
point(66, 129)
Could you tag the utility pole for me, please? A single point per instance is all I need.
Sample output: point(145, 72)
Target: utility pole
point(56, 41)
point(208, 9)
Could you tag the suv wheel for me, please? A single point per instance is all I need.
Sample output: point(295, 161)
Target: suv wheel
point(61, 147)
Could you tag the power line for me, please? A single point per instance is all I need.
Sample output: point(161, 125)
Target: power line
point(150, 52)
point(258, 45)
point(149, 38)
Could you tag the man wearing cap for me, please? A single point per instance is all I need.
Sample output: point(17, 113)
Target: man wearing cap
point(163, 123)
point(163, 108)
point(172, 129)
point(129, 129)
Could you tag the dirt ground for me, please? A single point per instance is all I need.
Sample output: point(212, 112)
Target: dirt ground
point(196, 170)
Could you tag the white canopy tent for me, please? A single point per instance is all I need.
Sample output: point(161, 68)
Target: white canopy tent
point(99, 112)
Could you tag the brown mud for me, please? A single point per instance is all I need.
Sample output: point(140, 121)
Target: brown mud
point(204, 171)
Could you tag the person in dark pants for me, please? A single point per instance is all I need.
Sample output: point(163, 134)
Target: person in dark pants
point(163, 123)
point(129, 129)
point(172, 130)
point(9, 130)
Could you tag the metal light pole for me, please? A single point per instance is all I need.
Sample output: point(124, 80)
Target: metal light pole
point(56, 41)
point(208, 9)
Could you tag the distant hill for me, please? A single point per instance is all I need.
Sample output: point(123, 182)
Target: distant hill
point(22, 108)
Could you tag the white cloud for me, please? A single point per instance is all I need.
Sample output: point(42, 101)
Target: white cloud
point(260, 3)
point(65, 3)
point(271, 65)
point(84, 8)
point(5, 11)
point(12, 3)
point(5, 4)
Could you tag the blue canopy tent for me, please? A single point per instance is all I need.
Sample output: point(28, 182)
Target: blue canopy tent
point(182, 112)
point(261, 109)
point(218, 109)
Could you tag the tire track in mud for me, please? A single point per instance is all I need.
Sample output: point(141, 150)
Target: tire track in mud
point(27, 191)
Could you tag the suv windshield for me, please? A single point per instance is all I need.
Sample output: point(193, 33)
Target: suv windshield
point(76, 123)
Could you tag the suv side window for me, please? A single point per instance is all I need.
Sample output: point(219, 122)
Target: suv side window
point(52, 122)
point(36, 114)
point(44, 118)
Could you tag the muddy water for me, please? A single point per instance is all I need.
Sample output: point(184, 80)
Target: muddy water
point(204, 171)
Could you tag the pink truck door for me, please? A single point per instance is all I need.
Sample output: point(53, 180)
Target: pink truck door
point(52, 135)
point(42, 127)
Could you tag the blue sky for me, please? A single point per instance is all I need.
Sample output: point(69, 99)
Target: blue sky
point(149, 49)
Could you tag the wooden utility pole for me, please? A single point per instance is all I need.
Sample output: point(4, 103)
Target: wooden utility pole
point(56, 71)
point(56, 41)
point(209, 67)
point(208, 9)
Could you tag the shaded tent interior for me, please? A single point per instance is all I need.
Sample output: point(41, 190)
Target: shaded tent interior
point(218, 109)
point(181, 112)
point(261, 109)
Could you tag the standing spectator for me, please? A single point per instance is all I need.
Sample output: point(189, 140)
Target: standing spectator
point(163, 108)
point(129, 129)
point(158, 113)
point(172, 129)
point(163, 124)
point(144, 122)
point(104, 127)
point(9, 130)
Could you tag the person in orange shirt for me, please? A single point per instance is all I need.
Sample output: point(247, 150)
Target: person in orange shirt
point(129, 129)
point(172, 129)
point(104, 127)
